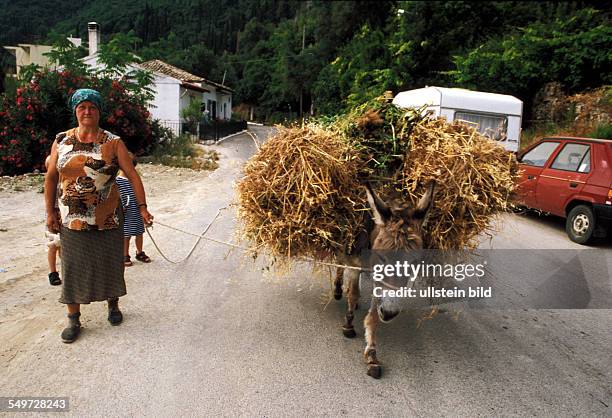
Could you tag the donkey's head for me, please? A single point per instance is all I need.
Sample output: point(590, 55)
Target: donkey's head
point(398, 227)
point(398, 224)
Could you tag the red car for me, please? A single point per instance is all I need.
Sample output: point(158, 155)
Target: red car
point(571, 178)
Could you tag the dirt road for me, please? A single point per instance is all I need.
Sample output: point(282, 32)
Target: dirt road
point(216, 335)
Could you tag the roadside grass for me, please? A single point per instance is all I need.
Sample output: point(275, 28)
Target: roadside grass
point(532, 134)
point(182, 152)
point(22, 183)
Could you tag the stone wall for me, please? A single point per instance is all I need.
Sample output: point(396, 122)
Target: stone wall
point(577, 114)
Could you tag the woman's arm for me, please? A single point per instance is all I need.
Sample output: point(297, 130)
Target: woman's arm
point(125, 163)
point(51, 179)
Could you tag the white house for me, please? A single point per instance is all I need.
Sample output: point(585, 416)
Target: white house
point(26, 54)
point(495, 115)
point(174, 88)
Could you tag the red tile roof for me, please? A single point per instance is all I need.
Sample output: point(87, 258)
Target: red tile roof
point(159, 66)
point(170, 70)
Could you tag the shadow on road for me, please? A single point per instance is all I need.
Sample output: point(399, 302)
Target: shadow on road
point(557, 223)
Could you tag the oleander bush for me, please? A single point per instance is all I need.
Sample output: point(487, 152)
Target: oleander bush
point(32, 116)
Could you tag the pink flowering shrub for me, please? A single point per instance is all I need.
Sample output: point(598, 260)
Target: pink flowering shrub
point(32, 116)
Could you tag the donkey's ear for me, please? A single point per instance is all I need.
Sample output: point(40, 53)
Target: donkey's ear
point(381, 210)
point(425, 202)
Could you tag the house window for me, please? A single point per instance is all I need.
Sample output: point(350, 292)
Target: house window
point(224, 110)
point(495, 127)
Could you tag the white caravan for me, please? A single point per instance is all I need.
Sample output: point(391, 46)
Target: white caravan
point(497, 116)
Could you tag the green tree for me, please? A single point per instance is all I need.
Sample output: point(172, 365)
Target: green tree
point(575, 52)
point(360, 72)
point(258, 45)
point(66, 55)
point(117, 54)
point(117, 58)
point(253, 61)
point(192, 115)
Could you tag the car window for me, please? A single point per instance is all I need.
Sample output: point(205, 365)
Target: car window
point(540, 154)
point(570, 157)
point(585, 164)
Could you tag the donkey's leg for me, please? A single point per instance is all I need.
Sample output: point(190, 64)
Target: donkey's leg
point(338, 283)
point(352, 298)
point(370, 323)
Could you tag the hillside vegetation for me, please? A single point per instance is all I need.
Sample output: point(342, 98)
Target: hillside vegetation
point(287, 55)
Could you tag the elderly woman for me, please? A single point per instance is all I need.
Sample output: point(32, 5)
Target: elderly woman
point(85, 161)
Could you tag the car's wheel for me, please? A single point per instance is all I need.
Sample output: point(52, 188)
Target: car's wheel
point(580, 224)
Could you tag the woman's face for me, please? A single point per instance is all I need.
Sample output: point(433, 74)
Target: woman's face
point(87, 114)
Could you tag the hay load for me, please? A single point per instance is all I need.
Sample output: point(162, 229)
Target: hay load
point(475, 178)
point(302, 192)
point(300, 195)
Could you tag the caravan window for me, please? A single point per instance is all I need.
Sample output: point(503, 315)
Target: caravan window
point(495, 127)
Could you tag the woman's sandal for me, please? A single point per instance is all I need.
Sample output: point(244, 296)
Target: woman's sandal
point(127, 261)
point(143, 257)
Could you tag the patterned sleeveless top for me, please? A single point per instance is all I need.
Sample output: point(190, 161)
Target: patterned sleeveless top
point(88, 194)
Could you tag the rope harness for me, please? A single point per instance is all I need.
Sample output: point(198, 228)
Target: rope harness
point(185, 232)
point(203, 236)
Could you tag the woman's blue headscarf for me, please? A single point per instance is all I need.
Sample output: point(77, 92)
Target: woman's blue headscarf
point(86, 95)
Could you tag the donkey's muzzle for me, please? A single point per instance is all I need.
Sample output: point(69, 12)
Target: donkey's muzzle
point(386, 316)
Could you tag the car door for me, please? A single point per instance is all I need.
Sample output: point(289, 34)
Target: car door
point(564, 177)
point(532, 164)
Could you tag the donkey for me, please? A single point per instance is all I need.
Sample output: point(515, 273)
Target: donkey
point(392, 227)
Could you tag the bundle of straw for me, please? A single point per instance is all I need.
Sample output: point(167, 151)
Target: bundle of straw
point(475, 178)
point(302, 192)
point(300, 195)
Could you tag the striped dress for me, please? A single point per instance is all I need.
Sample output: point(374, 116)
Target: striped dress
point(134, 225)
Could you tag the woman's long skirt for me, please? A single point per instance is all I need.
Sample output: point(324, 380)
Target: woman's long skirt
point(92, 265)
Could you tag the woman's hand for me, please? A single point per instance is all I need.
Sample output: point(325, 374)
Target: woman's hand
point(53, 222)
point(146, 216)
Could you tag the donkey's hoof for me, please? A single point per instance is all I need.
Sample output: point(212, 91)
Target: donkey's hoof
point(374, 370)
point(338, 295)
point(349, 332)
